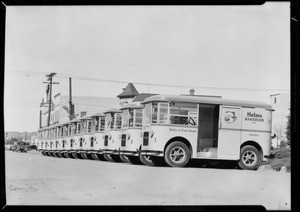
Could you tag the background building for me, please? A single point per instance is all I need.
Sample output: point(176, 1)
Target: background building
point(83, 105)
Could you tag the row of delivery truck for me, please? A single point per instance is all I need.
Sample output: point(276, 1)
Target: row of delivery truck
point(167, 129)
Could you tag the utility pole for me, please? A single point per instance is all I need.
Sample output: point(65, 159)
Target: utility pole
point(49, 90)
point(71, 105)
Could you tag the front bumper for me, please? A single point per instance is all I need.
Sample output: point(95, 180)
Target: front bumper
point(151, 152)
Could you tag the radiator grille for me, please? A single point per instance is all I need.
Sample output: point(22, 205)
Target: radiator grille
point(106, 140)
point(146, 138)
point(123, 140)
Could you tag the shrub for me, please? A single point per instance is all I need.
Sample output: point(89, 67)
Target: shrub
point(281, 157)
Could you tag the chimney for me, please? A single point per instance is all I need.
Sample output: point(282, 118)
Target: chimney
point(192, 92)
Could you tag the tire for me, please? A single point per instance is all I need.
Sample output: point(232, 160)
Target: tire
point(107, 157)
point(177, 154)
point(101, 157)
point(66, 154)
point(89, 156)
point(94, 156)
point(146, 160)
point(79, 156)
point(71, 155)
point(63, 155)
point(250, 158)
point(124, 158)
point(158, 161)
point(74, 155)
point(60, 155)
point(134, 159)
point(115, 158)
point(84, 155)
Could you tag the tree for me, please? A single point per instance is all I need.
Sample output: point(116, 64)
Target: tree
point(280, 132)
point(288, 130)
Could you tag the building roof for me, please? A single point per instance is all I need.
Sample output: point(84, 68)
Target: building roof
point(129, 91)
point(132, 106)
point(206, 100)
point(97, 114)
point(142, 97)
point(85, 118)
point(75, 120)
point(113, 110)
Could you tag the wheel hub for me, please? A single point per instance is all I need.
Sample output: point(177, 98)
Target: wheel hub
point(177, 154)
point(249, 158)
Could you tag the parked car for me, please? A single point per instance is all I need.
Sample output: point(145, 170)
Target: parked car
point(20, 147)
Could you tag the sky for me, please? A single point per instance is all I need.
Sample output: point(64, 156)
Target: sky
point(237, 52)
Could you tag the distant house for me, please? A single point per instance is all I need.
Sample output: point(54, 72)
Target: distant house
point(128, 94)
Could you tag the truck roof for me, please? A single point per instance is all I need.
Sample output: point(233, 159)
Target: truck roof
point(206, 100)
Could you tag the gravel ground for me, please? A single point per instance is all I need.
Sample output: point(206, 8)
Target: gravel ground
point(33, 179)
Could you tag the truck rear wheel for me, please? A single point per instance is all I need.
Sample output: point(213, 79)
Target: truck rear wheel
point(146, 160)
point(115, 158)
point(83, 155)
point(134, 159)
point(250, 158)
point(124, 158)
point(101, 157)
point(177, 154)
point(107, 157)
point(94, 156)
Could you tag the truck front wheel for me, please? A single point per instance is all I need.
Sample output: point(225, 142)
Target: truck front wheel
point(250, 158)
point(177, 154)
point(146, 160)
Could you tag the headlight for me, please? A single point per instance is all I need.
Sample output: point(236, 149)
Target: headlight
point(151, 133)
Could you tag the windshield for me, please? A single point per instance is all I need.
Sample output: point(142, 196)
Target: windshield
point(108, 121)
point(138, 117)
point(118, 120)
point(127, 118)
point(147, 113)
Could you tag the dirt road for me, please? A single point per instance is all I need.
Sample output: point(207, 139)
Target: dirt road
point(33, 179)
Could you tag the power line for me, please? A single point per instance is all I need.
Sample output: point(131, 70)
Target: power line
point(64, 75)
point(163, 85)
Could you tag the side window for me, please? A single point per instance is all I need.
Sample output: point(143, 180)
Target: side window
point(70, 130)
point(96, 124)
point(131, 115)
point(154, 112)
point(112, 123)
point(118, 120)
point(138, 117)
point(147, 113)
point(163, 113)
point(89, 123)
point(102, 123)
point(78, 128)
point(183, 113)
point(125, 118)
point(108, 121)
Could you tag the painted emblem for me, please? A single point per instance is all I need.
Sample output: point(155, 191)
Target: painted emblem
point(230, 117)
